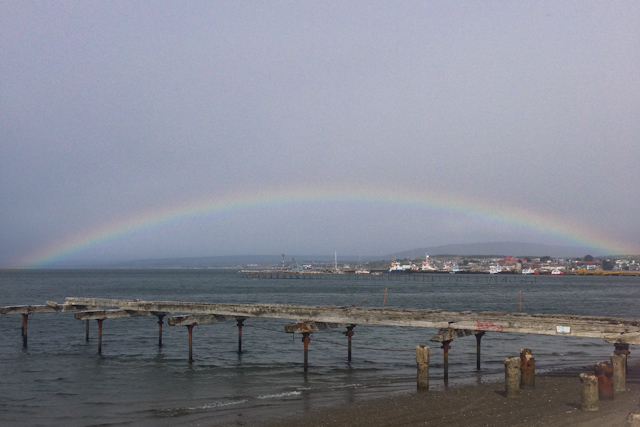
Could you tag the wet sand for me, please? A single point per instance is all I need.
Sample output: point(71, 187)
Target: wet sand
point(554, 402)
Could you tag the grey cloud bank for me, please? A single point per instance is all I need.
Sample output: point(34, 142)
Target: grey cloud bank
point(116, 110)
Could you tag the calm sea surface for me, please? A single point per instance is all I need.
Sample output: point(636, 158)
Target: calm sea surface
point(61, 380)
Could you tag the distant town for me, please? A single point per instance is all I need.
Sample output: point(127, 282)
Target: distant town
point(587, 265)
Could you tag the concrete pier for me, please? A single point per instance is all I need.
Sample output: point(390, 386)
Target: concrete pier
point(423, 357)
point(512, 377)
point(589, 392)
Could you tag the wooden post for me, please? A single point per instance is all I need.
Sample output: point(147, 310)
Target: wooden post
point(86, 330)
point(619, 374)
point(511, 376)
point(305, 341)
point(446, 347)
point(190, 329)
point(604, 372)
point(349, 334)
point(385, 297)
point(160, 323)
point(589, 392)
point(240, 323)
point(479, 336)
point(519, 301)
point(99, 335)
point(527, 369)
point(25, 318)
point(422, 359)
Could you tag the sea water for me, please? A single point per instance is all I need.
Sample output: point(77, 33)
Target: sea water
point(61, 380)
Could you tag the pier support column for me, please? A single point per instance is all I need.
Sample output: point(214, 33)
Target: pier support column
point(190, 329)
point(622, 349)
point(240, 324)
point(25, 318)
point(511, 376)
point(619, 372)
point(99, 335)
point(305, 340)
point(349, 334)
point(479, 336)
point(446, 347)
point(423, 357)
point(527, 369)
point(86, 330)
point(604, 372)
point(589, 392)
point(160, 323)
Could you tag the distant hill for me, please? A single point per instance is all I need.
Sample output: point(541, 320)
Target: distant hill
point(514, 249)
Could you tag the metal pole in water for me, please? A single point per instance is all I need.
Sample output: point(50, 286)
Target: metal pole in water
point(99, 335)
point(446, 347)
point(349, 334)
point(478, 338)
point(160, 323)
point(305, 340)
point(25, 318)
point(190, 329)
point(240, 322)
point(86, 330)
point(519, 301)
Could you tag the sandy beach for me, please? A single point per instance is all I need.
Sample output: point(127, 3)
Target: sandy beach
point(554, 402)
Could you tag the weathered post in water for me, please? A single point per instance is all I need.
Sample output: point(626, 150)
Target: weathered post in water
point(479, 336)
point(86, 330)
point(589, 392)
point(160, 323)
point(618, 361)
point(512, 376)
point(190, 329)
point(446, 347)
point(423, 356)
point(100, 335)
point(349, 334)
point(604, 372)
point(25, 318)
point(240, 322)
point(527, 369)
point(305, 340)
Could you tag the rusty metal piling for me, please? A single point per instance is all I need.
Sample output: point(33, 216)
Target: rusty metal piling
point(478, 338)
point(86, 330)
point(604, 373)
point(446, 347)
point(25, 318)
point(99, 335)
point(349, 334)
point(305, 340)
point(527, 369)
point(240, 324)
point(160, 323)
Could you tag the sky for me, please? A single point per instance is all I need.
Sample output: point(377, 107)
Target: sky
point(144, 129)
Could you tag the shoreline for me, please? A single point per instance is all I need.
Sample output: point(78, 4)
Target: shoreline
point(554, 402)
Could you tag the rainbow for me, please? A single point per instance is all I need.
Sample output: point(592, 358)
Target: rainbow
point(569, 231)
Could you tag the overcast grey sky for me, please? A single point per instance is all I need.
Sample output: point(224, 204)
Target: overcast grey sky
point(117, 110)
